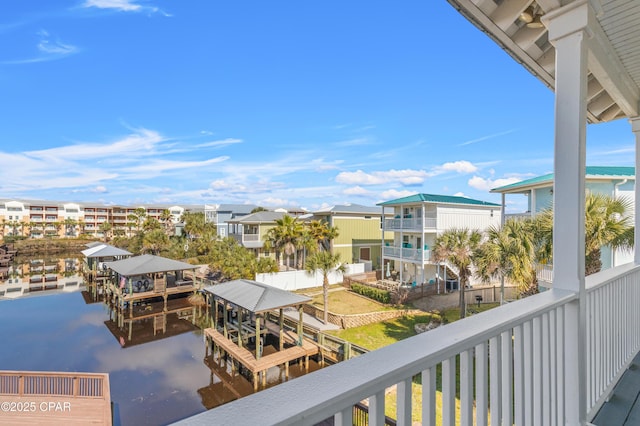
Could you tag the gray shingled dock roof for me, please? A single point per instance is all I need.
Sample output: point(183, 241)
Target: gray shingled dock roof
point(147, 264)
point(254, 296)
point(104, 250)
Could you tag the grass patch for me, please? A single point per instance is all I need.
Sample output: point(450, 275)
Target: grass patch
point(345, 303)
point(377, 335)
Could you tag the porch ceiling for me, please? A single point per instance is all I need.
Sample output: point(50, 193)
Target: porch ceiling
point(614, 47)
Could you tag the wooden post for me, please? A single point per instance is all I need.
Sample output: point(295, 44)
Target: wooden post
point(224, 320)
point(258, 342)
point(239, 327)
point(300, 326)
point(281, 324)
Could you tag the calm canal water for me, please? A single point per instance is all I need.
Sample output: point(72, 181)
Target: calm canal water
point(155, 378)
point(152, 383)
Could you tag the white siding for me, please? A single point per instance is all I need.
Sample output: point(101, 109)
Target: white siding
point(467, 217)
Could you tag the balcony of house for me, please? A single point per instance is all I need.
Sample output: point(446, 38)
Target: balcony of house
point(521, 363)
point(406, 252)
point(410, 223)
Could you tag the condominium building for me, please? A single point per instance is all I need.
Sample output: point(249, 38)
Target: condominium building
point(39, 218)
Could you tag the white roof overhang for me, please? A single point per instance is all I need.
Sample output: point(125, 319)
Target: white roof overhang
point(613, 27)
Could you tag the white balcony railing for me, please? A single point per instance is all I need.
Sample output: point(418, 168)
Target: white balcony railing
point(544, 273)
point(514, 359)
point(250, 237)
point(408, 254)
point(410, 223)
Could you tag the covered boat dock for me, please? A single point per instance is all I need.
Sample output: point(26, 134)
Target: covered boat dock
point(141, 279)
point(241, 328)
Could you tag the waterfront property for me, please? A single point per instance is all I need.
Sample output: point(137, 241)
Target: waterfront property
point(39, 219)
point(242, 329)
point(96, 255)
point(415, 223)
point(549, 359)
point(140, 279)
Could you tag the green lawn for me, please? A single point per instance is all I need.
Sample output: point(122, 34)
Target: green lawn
point(345, 302)
point(377, 335)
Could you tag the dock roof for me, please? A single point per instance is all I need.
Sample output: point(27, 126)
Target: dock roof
point(104, 250)
point(147, 264)
point(254, 296)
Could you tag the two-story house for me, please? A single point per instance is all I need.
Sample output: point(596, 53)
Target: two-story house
point(359, 227)
point(416, 222)
point(221, 214)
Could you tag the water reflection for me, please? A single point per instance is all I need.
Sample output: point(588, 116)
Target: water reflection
point(25, 277)
point(155, 357)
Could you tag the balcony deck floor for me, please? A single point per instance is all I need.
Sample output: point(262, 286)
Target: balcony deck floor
point(623, 408)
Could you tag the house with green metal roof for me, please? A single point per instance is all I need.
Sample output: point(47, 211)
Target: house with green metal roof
point(417, 220)
point(615, 181)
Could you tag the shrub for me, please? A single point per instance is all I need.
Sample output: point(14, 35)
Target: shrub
point(382, 296)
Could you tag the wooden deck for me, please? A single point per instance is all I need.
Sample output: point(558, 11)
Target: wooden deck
point(48, 398)
point(248, 360)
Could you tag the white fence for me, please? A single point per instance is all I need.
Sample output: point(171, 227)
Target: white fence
point(516, 359)
point(298, 280)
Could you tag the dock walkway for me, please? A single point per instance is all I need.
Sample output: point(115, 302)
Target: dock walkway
point(267, 361)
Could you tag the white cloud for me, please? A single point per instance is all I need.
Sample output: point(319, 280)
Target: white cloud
point(56, 47)
point(392, 194)
point(405, 177)
point(461, 166)
point(49, 50)
point(121, 5)
point(155, 167)
point(220, 184)
point(484, 138)
point(483, 184)
point(220, 143)
point(356, 190)
point(141, 143)
point(459, 194)
point(276, 202)
point(100, 189)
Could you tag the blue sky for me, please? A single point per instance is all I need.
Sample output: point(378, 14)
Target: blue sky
point(288, 103)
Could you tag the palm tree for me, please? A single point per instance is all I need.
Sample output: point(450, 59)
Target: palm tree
point(284, 236)
point(607, 223)
point(508, 252)
point(457, 247)
point(70, 227)
point(154, 241)
point(105, 227)
point(322, 233)
point(325, 262)
point(137, 217)
point(166, 218)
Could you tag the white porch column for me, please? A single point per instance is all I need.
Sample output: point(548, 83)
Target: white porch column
point(568, 33)
point(635, 127)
